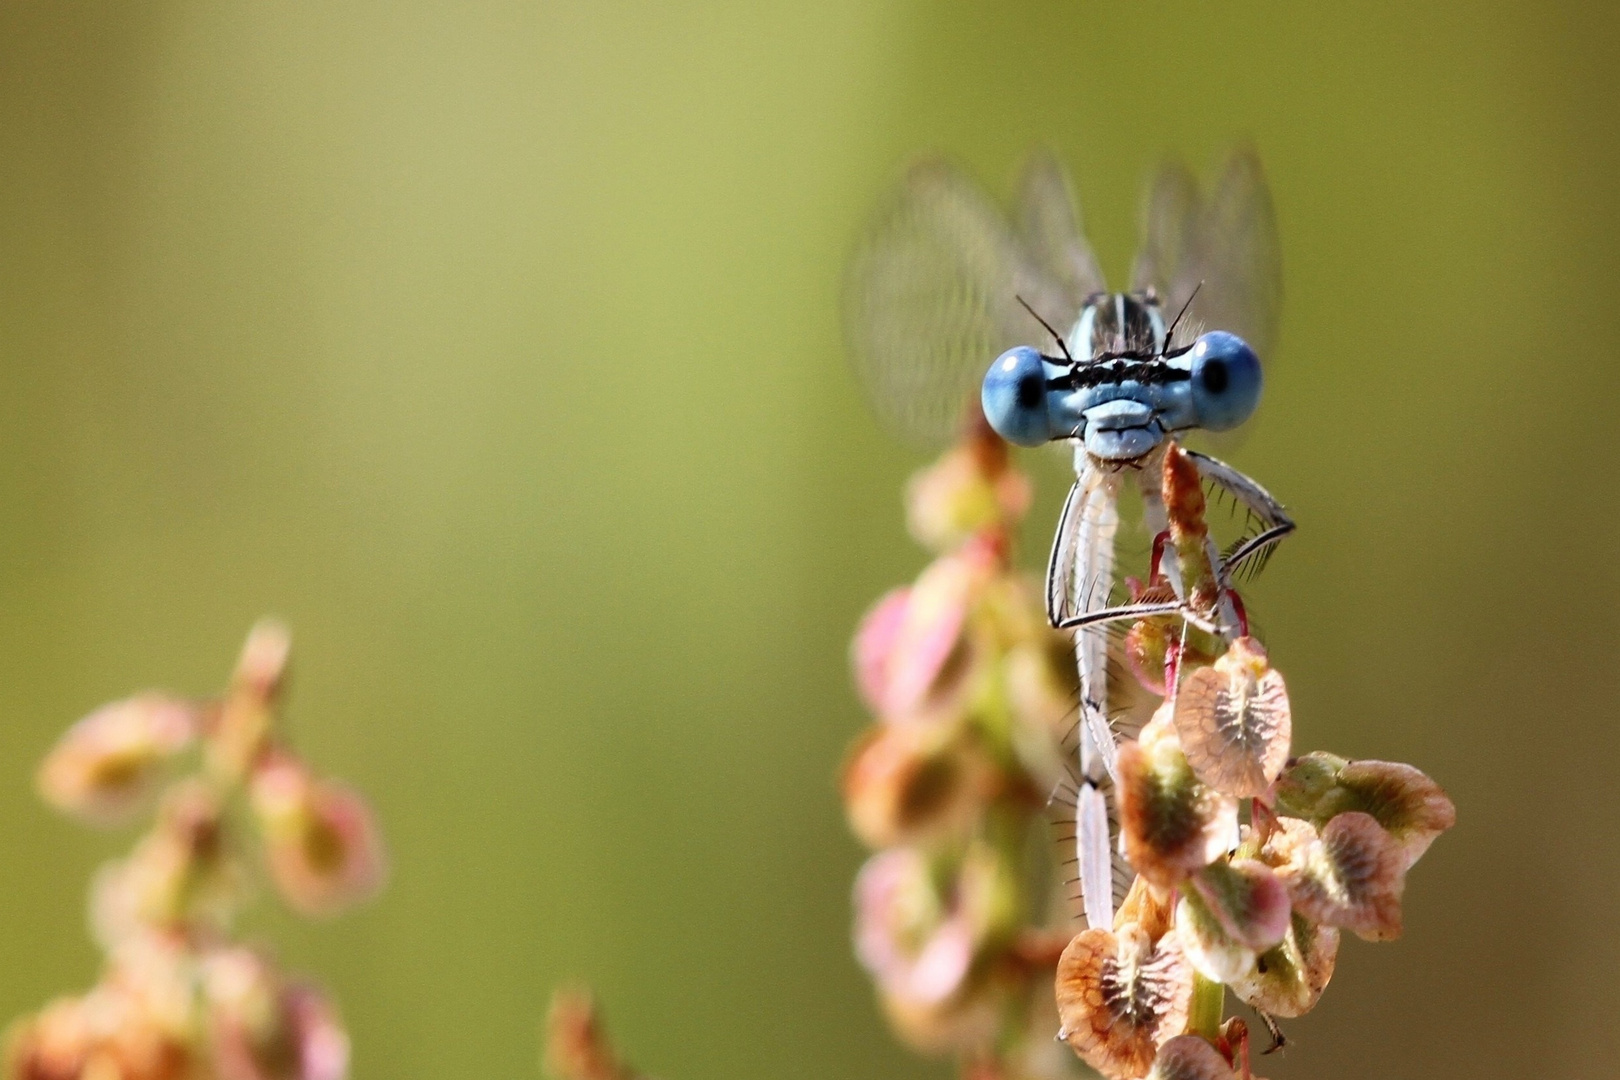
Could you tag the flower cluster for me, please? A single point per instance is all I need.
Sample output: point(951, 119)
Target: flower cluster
point(1249, 863)
point(972, 692)
point(179, 998)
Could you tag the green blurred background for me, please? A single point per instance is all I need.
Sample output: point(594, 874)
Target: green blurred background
point(495, 346)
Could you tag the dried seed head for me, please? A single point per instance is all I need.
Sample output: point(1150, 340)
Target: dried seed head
point(1288, 979)
point(1211, 951)
point(1234, 722)
point(323, 846)
point(1148, 907)
point(1190, 1057)
point(1229, 912)
point(263, 1027)
point(1120, 996)
point(104, 765)
point(1172, 823)
point(911, 782)
point(179, 876)
point(1350, 876)
point(1248, 900)
point(1412, 808)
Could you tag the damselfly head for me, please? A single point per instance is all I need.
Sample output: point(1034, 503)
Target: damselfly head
point(1122, 405)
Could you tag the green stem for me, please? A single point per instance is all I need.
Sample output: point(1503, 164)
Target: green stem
point(1208, 1006)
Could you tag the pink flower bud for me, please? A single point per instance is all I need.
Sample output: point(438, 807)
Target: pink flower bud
point(912, 650)
point(106, 763)
point(874, 644)
point(322, 845)
point(926, 948)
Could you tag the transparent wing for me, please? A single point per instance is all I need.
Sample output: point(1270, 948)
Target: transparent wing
point(1169, 214)
point(932, 298)
point(1049, 226)
point(1227, 242)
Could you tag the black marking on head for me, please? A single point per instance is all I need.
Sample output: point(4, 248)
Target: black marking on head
point(1213, 375)
point(1112, 372)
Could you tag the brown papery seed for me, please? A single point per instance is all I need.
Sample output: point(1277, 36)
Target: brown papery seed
point(1288, 979)
point(1120, 996)
point(1350, 876)
point(1234, 721)
point(1172, 823)
point(1412, 808)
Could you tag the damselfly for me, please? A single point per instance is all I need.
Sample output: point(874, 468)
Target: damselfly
point(945, 282)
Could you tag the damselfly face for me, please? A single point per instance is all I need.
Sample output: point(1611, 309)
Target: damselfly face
point(1120, 387)
point(946, 283)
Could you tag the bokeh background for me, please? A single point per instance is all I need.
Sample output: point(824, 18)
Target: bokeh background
point(495, 345)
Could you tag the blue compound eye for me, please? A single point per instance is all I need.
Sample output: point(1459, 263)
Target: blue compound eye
point(1014, 397)
point(1225, 380)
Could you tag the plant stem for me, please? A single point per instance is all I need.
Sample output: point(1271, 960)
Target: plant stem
point(1208, 1006)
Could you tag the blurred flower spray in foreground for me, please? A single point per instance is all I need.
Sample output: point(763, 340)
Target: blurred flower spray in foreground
point(179, 996)
point(973, 693)
point(1245, 864)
